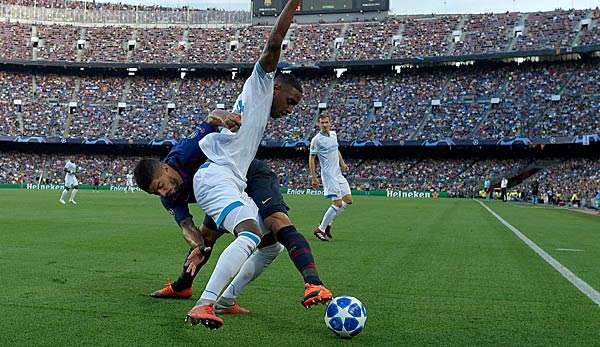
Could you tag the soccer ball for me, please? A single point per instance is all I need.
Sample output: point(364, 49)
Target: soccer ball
point(345, 316)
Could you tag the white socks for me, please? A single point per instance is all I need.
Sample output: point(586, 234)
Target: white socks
point(73, 193)
point(252, 268)
point(332, 212)
point(228, 265)
point(64, 194)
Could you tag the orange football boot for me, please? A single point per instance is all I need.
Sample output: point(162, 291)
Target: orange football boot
point(167, 292)
point(315, 294)
point(205, 315)
point(233, 309)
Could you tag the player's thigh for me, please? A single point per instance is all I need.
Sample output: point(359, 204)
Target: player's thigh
point(346, 192)
point(331, 190)
point(216, 194)
point(263, 188)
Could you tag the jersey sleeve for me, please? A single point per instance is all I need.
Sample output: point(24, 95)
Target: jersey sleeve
point(258, 85)
point(202, 130)
point(314, 146)
point(179, 211)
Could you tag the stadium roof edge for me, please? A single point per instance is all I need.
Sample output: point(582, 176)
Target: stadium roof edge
point(542, 55)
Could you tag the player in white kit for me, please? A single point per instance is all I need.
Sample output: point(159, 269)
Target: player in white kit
point(325, 146)
point(71, 183)
point(129, 182)
point(219, 183)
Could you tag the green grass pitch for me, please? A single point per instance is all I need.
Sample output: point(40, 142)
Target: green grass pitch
point(430, 272)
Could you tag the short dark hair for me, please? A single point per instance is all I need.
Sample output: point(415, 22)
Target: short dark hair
point(324, 115)
point(145, 172)
point(290, 80)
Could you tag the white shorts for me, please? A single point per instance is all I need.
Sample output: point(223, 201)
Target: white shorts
point(220, 194)
point(336, 188)
point(71, 181)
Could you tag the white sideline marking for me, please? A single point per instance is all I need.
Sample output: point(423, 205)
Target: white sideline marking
point(566, 273)
point(569, 250)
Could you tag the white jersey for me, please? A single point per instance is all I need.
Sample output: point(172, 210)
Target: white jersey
point(70, 168)
point(325, 147)
point(129, 178)
point(70, 179)
point(504, 183)
point(237, 150)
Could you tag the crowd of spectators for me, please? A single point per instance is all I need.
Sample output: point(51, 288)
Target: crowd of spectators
point(458, 177)
point(25, 168)
point(532, 100)
point(566, 177)
point(426, 37)
point(159, 45)
point(369, 41)
point(392, 37)
point(486, 33)
point(210, 45)
point(312, 42)
point(92, 5)
point(592, 34)
point(549, 30)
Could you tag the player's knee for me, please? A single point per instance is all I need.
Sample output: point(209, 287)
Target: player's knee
point(267, 240)
point(277, 221)
point(348, 199)
point(249, 225)
point(338, 203)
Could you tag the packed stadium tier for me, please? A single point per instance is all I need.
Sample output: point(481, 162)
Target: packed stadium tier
point(543, 100)
point(391, 38)
point(458, 177)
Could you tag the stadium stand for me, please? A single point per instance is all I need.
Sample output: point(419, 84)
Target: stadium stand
point(489, 101)
point(458, 177)
point(393, 37)
point(534, 100)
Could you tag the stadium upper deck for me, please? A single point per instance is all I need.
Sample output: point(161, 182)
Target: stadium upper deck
point(541, 100)
point(394, 37)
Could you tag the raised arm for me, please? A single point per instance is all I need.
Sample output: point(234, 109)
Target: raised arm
point(270, 55)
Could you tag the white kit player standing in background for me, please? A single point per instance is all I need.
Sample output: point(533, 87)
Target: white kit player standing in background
point(71, 183)
point(220, 182)
point(335, 186)
point(129, 182)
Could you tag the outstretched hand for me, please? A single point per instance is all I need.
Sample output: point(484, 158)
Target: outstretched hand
point(195, 258)
point(315, 183)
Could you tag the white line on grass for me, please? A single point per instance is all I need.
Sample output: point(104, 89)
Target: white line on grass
point(569, 250)
point(566, 273)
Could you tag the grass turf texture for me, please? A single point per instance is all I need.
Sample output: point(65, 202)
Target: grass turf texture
point(430, 272)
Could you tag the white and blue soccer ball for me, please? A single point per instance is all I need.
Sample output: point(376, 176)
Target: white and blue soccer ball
point(346, 316)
